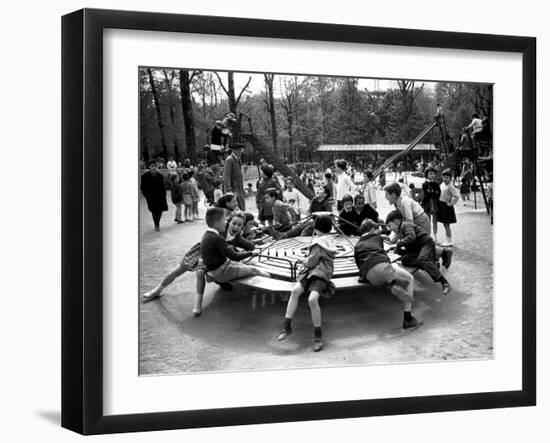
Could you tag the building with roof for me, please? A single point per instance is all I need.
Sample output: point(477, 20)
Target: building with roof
point(372, 153)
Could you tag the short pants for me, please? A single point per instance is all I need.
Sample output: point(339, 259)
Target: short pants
point(381, 274)
point(231, 270)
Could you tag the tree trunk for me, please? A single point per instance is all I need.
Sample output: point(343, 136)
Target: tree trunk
point(187, 111)
point(159, 115)
point(172, 114)
point(232, 101)
point(271, 108)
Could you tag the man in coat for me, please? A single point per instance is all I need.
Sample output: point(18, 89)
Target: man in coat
point(152, 188)
point(233, 176)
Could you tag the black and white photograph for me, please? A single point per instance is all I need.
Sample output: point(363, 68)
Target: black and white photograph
point(298, 220)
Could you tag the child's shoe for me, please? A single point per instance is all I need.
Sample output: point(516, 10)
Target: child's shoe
point(152, 294)
point(318, 344)
point(446, 287)
point(197, 312)
point(412, 323)
point(446, 258)
point(284, 334)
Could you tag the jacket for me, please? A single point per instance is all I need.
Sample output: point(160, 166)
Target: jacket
point(233, 179)
point(176, 192)
point(152, 187)
point(320, 260)
point(411, 237)
point(369, 251)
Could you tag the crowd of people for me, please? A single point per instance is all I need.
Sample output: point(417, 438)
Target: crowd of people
point(342, 205)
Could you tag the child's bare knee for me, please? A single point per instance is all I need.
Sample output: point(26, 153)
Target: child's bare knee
point(313, 298)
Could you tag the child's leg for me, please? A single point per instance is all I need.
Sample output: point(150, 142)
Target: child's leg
point(178, 212)
point(175, 273)
point(201, 284)
point(403, 287)
point(315, 309)
point(292, 304)
point(434, 226)
point(448, 232)
point(291, 310)
point(313, 301)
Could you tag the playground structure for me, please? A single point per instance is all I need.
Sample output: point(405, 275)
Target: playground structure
point(281, 258)
point(450, 155)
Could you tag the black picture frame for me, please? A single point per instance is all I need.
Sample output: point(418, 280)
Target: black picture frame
point(82, 219)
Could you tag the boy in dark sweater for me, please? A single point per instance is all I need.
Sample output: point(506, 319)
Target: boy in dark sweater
point(364, 210)
point(348, 218)
point(220, 259)
point(416, 247)
point(376, 268)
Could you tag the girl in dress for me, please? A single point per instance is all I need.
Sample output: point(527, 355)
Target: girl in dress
point(446, 211)
point(315, 279)
point(187, 193)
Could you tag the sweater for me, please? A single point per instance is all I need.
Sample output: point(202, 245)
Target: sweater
point(368, 212)
point(215, 251)
point(238, 241)
point(350, 217)
point(368, 252)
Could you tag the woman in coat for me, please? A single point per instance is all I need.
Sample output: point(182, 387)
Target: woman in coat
point(152, 188)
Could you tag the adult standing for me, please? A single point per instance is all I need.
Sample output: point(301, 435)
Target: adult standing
point(216, 144)
point(172, 166)
point(152, 188)
point(266, 181)
point(344, 185)
point(233, 175)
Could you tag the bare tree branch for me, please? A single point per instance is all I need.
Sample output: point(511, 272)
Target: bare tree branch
point(418, 92)
point(195, 73)
point(242, 90)
point(221, 83)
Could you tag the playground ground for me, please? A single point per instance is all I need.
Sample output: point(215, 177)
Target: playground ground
point(238, 329)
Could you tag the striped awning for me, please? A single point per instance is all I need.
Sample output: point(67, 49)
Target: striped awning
point(421, 147)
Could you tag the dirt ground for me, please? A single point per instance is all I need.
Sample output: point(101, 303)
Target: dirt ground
point(238, 329)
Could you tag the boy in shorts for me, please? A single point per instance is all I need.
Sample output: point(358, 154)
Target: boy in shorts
point(417, 248)
point(376, 268)
point(221, 261)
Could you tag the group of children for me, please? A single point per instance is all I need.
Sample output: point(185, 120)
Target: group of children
point(231, 237)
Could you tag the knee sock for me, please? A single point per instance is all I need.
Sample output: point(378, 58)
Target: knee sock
point(317, 332)
point(407, 316)
point(287, 324)
point(442, 280)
